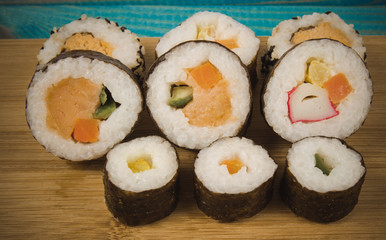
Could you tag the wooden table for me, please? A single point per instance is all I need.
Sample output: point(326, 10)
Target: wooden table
point(43, 197)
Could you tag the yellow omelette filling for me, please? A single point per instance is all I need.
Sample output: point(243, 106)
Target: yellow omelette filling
point(233, 165)
point(139, 165)
point(86, 41)
point(209, 33)
point(211, 104)
point(322, 30)
point(70, 106)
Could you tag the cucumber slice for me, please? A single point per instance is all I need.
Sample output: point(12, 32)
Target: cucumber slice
point(181, 95)
point(321, 164)
point(107, 107)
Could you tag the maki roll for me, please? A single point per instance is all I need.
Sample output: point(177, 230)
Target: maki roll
point(322, 179)
point(140, 180)
point(290, 32)
point(319, 87)
point(81, 104)
point(96, 34)
point(218, 27)
point(233, 179)
point(198, 92)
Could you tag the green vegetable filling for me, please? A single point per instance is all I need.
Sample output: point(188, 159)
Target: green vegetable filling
point(322, 165)
point(181, 95)
point(107, 107)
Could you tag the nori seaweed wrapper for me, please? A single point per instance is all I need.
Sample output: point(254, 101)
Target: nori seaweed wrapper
point(139, 208)
point(230, 207)
point(315, 206)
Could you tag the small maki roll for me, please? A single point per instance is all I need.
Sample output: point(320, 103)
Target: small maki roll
point(218, 27)
point(322, 179)
point(319, 87)
point(96, 34)
point(81, 104)
point(198, 92)
point(290, 32)
point(233, 178)
point(140, 180)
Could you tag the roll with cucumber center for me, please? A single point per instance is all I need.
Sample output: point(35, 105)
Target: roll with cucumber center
point(319, 87)
point(198, 92)
point(322, 179)
point(81, 104)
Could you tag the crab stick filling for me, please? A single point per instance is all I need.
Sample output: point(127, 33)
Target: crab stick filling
point(70, 107)
point(210, 105)
point(322, 30)
point(317, 98)
point(209, 33)
point(86, 41)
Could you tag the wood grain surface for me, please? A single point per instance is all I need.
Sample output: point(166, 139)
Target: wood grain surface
point(43, 197)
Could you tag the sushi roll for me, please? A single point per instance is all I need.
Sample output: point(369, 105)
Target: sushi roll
point(233, 179)
point(322, 179)
point(319, 87)
point(96, 34)
point(290, 32)
point(140, 180)
point(215, 26)
point(81, 104)
point(198, 92)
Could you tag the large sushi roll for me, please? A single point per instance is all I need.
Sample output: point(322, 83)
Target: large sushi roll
point(96, 34)
point(322, 179)
point(215, 26)
point(233, 179)
point(140, 180)
point(81, 104)
point(198, 92)
point(290, 32)
point(319, 87)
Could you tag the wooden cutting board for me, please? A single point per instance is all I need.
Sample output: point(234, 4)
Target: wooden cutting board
point(43, 197)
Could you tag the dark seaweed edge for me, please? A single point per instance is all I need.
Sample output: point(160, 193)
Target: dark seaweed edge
point(164, 56)
point(272, 72)
point(319, 207)
point(92, 55)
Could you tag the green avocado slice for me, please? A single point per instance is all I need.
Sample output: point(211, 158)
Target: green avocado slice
point(181, 96)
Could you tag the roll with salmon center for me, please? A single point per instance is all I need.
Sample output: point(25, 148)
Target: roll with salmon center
point(318, 88)
point(198, 92)
point(322, 179)
point(233, 179)
point(96, 34)
point(140, 180)
point(218, 27)
point(290, 32)
point(81, 104)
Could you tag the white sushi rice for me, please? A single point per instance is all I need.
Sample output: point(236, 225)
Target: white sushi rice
point(259, 166)
point(225, 28)
point(347, 168)
point(172, 70)
point(111, 131)
point(163, 160)
point(291, 72)
point(125, 43)
point(283, 32)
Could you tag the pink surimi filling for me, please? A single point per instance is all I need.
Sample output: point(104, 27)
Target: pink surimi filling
point(309, 103)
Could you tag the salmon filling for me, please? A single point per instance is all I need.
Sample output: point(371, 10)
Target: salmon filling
point(86, 41)
point(211, 104)
point(209, 33)
point(233, 165)
point(70, 100)
point(322, 30)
